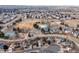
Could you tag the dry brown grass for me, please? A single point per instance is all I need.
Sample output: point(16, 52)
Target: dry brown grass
point(73, 22)
point(26, 24)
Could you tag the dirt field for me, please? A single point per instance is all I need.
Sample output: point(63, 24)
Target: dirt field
point(27, 24)
point(72, 23)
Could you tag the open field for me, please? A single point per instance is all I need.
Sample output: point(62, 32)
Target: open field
point(26, 24)
point(72, 22)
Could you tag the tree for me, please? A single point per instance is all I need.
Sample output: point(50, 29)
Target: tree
point(60, 28)
point(49, 42)
point(20, 19)
point(78, 25)
point(62, 23)
point(1, 34)
point(14, 23)
point(5, 47)
point(42, 30)
point(14, 29)
point(35, 26)
point(66, 25)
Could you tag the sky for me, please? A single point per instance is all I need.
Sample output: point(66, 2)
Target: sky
point(39, 2)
